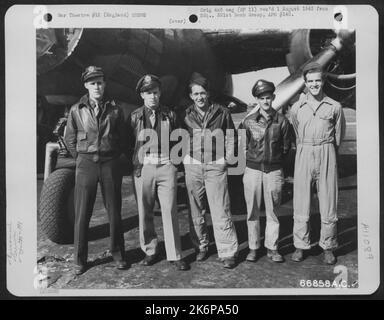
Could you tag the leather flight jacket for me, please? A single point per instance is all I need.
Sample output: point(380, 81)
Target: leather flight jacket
point(137, 123)
point(268, 140)
point(98, 138)
point(218, 117)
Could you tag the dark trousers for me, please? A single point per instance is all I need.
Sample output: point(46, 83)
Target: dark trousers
point(88, 174)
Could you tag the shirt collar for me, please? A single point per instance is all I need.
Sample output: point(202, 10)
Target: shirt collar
point(150, 111)
point(196, 109)
point(305, 100)
point(267, 115)
point(92, 103)
point(273, 116)
point(161, 109)
point(86, 102)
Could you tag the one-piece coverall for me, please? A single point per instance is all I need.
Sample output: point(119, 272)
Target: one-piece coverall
point(319, 129)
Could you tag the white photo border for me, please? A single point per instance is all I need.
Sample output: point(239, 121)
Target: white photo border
point(21, 192)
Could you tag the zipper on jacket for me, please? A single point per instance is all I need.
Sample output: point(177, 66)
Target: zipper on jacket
point(98, 130)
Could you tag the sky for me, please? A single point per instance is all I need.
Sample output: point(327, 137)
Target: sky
point(243, 82)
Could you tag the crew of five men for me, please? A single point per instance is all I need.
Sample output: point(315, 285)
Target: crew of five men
point(97, 133)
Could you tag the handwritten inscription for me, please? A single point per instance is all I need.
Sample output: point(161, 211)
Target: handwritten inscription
point(366, 241)
point(15, 243)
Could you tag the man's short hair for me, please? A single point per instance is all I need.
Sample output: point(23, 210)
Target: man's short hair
point(312, 67)
point(198, 79)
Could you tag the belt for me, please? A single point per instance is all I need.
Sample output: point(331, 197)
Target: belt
point(314, 142)
point(190, 160)
point(96, 157)
point(156, 159)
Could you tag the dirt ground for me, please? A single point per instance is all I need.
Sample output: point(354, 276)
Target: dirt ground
point(210, 273)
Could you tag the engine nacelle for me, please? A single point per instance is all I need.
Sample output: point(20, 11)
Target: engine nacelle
point(305, 44)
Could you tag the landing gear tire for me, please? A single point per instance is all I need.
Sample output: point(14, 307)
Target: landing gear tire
point(57, 212)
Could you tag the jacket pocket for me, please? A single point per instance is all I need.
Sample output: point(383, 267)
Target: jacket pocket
point(82, 142)
point(326, 116)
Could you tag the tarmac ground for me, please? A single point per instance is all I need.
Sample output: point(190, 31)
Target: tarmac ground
point(58, 259)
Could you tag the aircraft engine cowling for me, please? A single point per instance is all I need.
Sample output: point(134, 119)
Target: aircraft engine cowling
point(341, 71)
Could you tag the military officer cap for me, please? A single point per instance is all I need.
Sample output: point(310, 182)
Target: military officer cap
point(197, 78)
point(147, 82)
point(262, 86)
point(313, 67)
point(92, 72)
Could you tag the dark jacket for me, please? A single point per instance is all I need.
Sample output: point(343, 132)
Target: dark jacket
point(136, 123)
point(218, 117)
point(267, 141)
point(99, 140)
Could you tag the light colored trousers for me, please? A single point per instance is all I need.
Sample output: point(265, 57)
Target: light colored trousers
point(209, 182)
point(318, 164)
point(255, 182)
point(162, 179)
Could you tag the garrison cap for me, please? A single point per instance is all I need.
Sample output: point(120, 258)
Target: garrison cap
point(147, 82)
point(197, 78)
point(262, 86)
point(92, 72)
point(312, 66)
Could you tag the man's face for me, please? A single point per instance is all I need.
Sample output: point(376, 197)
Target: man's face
point(151, 97)
point(95, 87)
point(314, 82)
point(199, 96)
point(264, 100)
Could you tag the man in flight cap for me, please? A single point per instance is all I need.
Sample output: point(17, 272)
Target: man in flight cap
point(319, 125)
point(96, 137)
point(154, 173)
point(268, 140)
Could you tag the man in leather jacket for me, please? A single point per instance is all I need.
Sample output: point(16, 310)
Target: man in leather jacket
point(206, 172)
point(268, 140)
point(96, 136)
point(154, 173)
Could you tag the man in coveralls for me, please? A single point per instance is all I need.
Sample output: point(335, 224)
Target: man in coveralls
point(268, 141)
point(206, 172)
point(96, 136)
point(319, 125)
point(155, 173)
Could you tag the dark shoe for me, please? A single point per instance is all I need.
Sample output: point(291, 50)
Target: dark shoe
point(298, 255)
point(275, 256)
point(121, 265)
point(79, 269)
point(252, 255)
point(149, 260)
point(329, 257)
point(202, 255)
point(229, 263)
point(181, 265)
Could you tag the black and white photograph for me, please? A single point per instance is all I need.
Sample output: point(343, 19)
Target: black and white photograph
point(197, 160)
